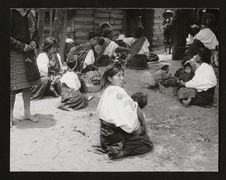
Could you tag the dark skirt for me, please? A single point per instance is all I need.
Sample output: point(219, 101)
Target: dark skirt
point(117, 143)
point(204, 98)
point(18, 77)
point(138, 62)
point(72, 99)
point(46, 87)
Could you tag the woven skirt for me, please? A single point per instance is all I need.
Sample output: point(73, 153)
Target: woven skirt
point(18, 78)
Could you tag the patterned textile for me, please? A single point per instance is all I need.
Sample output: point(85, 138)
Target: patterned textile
point(18, 77)
point(72, 99)
point(81, 51)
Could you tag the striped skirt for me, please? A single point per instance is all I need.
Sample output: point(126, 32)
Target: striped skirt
point(18, 78)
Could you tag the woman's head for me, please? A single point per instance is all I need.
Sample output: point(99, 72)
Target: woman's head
point(204, 55)
point(113, 75)
point(72, 62)
point(93, 38)
point(187, 68)
point(208, 20)
point(50, 45)
point(138, 32)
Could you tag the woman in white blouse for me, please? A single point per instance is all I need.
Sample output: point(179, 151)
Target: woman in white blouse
point(139, 46)
point(123, 129)
point(203, 82)
point(50, 67)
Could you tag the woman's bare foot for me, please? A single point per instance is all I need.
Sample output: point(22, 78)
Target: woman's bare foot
point(31, 118)
point(186, 102)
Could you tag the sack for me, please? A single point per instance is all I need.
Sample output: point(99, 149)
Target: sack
point(31, 67)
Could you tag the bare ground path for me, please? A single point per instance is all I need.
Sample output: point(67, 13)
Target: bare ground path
point(185, 139)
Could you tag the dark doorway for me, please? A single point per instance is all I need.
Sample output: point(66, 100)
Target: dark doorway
point(144, 17)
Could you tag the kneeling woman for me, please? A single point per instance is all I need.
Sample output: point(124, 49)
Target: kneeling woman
point(71, 97)
point(123, 128)
point(203, 82)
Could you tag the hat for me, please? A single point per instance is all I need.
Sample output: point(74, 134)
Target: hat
point(49, 42)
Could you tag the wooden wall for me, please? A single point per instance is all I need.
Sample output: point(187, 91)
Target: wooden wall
point(83, 21)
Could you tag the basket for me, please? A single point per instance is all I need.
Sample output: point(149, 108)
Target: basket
point(169, 91)
point(91, 88)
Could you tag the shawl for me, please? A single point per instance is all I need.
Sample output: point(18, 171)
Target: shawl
point(117, 107)
point(136, 46)
point(81, 51)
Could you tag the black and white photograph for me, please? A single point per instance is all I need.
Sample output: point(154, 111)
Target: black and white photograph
point(114, 89)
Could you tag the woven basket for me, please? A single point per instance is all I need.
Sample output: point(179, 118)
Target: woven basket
point(169, 91)
point(91, 88)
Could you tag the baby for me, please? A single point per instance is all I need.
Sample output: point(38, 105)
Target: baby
point(187, 72)
point(140, 98)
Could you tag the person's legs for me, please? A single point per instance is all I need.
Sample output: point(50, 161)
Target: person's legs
point(12, 102)
point(26, 94)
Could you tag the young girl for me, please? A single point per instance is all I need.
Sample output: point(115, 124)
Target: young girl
point(71, 97)
point(123, 128)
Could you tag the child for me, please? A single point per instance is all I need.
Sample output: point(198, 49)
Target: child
point(186, 74)
point(140, 98)
point(71, 97)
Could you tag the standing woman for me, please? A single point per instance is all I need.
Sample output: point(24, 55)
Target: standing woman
point(22, 49)
point(123, 128)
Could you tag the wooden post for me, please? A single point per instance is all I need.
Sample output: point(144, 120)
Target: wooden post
point(40, 25)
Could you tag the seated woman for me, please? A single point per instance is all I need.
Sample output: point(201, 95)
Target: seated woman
point(204, 38)
point(107, 50)
point(71, 97)
point(139, 46)
point(50, 68)
point(202, 84)
point(84, 53)
point(123, 127)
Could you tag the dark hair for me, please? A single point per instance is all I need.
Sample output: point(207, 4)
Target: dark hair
point(140, 98)
point(205, 54)
point(208, 20)
point(93, 34)
point(110, 71)
point(101, 41)
point(138, 32)
point(165, 67)
point(48, 43)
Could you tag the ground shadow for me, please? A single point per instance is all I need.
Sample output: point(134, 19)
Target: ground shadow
point(45, 121)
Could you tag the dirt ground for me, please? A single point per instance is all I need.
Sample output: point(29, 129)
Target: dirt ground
point(185, 139)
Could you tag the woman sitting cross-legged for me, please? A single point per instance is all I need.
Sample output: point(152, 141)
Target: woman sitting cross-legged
point(202, 84)
point(123, 127)
point(139, 46)
point(50, 68)
point(71, 97)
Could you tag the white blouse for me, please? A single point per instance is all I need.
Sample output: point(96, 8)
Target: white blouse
point(118, 108)
point(203, 79)
point(43, 61)
point(110, 49)
point(208, 38)
point(70, 78)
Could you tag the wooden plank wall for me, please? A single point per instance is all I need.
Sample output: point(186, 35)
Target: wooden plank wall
point(83, 21)
point(158, 37)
